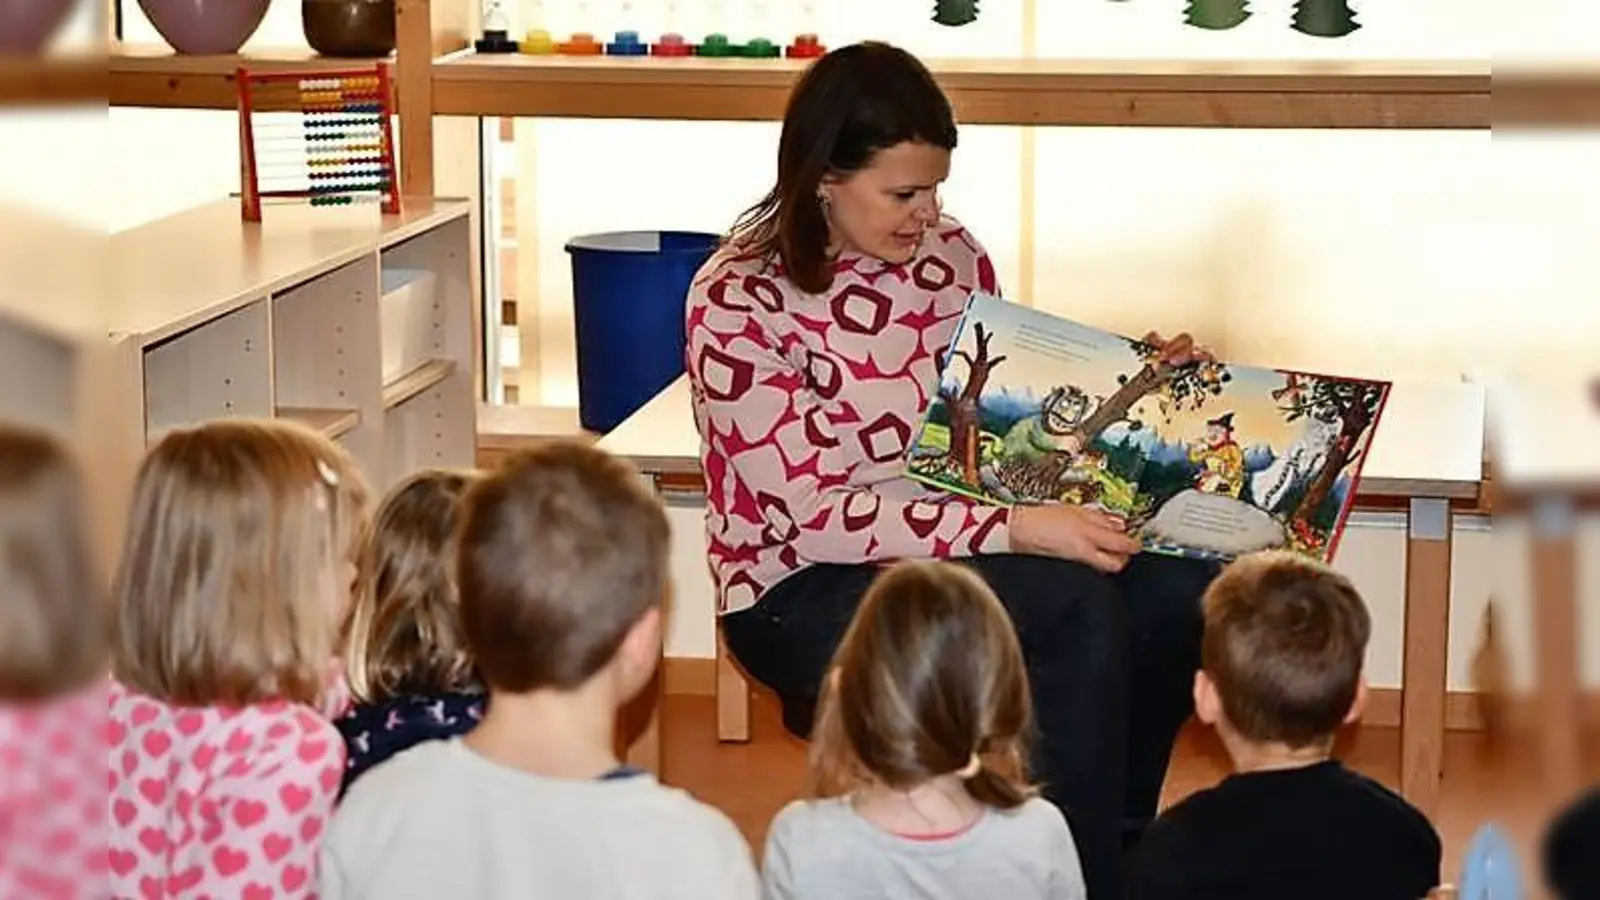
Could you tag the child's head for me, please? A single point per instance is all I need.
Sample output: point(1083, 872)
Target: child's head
point(928, 681)
point(563, 572)
point(237, 564)
point(52, 596)
point(1281, 661)
point(404, 632)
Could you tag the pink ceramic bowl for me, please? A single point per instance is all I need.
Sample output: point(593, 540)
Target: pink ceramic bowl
point(26, 26)
point(203, 27)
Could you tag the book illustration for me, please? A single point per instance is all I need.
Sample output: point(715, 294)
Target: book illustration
point(1209, 460)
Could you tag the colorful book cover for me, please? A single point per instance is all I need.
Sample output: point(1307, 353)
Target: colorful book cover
point(1210, 460)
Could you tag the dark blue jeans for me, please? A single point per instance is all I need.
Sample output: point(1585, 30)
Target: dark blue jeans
point(1111, 660)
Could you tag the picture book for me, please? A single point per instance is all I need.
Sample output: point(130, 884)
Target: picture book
point(1208, 460)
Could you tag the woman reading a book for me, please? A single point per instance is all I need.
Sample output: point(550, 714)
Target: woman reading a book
point(814, 341)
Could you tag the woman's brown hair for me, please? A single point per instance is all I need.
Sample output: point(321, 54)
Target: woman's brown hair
point(404, 634)
point(52, 592)
point(228, 591)
point(929, 674)
point(847, 106)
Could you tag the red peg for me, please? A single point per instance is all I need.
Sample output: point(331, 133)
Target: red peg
point(805, 46)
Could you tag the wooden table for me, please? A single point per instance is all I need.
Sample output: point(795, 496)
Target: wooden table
point(1428, 451)
point(1544, 437)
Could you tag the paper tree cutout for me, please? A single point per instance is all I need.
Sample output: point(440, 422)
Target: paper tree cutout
point(1324, 18)
point(955, 12)
point(1216, 15)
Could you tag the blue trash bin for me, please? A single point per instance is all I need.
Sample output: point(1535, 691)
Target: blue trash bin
point(628, 293)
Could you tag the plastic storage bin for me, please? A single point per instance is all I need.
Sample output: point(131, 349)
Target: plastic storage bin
point(628, 292)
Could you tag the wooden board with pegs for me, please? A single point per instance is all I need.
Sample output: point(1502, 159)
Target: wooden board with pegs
point(329, 139)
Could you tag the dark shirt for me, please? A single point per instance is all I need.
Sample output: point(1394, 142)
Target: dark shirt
point(375, 732)
point(1572, 851)
point(1321, 832)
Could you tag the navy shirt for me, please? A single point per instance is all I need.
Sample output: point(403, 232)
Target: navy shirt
point(374, 732)
point(1321, 832)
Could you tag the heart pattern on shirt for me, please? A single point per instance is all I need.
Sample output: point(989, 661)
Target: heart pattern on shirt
point(218, 803)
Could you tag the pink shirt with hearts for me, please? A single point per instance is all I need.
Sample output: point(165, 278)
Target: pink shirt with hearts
point(219, 801)
point(807, 404)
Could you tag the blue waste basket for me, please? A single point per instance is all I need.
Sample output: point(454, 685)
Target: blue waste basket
point(628, 292)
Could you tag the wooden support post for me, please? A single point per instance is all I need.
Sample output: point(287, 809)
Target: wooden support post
point(1426, 652)
point(1554, 566)
point(414, 94)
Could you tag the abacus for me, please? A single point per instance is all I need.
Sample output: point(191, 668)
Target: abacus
point(325, 136)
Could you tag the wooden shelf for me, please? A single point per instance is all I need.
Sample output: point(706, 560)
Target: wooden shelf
point(52, 81)
point(416, 381)
point(1242, 94)
point(152, 75)
point(333, 423)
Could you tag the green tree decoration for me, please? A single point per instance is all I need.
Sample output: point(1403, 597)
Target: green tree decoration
point(955, 13)
point(1216, 15)
point(1324, 18)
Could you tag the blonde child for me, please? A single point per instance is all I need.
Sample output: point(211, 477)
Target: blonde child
point(563, 572)
point(410, 674)
point(234, 575)
point(52, 684)
point(918, 759)
point(1285, 642)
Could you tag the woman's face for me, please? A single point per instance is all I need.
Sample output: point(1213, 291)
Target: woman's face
point(884, 208)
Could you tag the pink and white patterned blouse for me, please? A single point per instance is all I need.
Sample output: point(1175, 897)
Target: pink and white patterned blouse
point(807, 404)
point(53, 797)
point(219, 801)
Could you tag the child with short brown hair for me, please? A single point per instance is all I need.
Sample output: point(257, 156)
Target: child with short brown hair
point(918, 758)
point(1282, 659)
point(233, 578)
point(52, 676)
point(411, 675)
point(563, 573)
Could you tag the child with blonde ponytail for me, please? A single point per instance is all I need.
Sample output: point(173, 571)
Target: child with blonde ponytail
point(918, 759)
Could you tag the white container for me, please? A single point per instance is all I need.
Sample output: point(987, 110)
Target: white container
point(406, 321)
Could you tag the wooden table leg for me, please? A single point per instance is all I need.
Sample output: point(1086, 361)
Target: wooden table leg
point(1427, 644)
point(645, 751)
point(1553, 563)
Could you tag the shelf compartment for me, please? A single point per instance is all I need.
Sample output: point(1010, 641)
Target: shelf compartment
point(219, 369)
point(407, 314)
point(330, 423)
point(432, 429)
point(414, 382)
point(1238, 94)
point(325, 351)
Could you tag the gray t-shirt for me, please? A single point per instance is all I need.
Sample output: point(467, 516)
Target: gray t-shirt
point(823, 850)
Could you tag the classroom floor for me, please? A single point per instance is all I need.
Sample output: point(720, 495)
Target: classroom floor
point(1483, 781)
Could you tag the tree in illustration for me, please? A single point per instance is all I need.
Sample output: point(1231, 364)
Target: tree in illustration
point(1324, 18)
point(1216, 15)
point(1183, 387)
point(955, 12)
point(963, 404)
point(1354, 406)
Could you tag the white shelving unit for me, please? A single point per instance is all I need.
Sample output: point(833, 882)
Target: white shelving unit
point(358, 324)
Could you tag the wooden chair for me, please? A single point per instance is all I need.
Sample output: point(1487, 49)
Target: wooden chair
point(733, 698)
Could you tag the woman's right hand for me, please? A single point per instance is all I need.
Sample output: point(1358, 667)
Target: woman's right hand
point(1072, 532)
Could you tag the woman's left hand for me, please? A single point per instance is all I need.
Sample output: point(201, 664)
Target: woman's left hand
point(1180, 350)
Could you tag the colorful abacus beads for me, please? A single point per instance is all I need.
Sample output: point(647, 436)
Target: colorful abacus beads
point(672, 44)
point(718, 45)
point(627, 43)
point(805, 46)
point(581, 44)
point(538, 43)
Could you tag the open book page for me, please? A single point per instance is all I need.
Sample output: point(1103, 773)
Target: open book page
point(1209, 460)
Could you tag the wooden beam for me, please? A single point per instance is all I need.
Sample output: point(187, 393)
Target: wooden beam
point(51, 82)
point(414, 94)
point(154, 76)
point(1011, 91)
